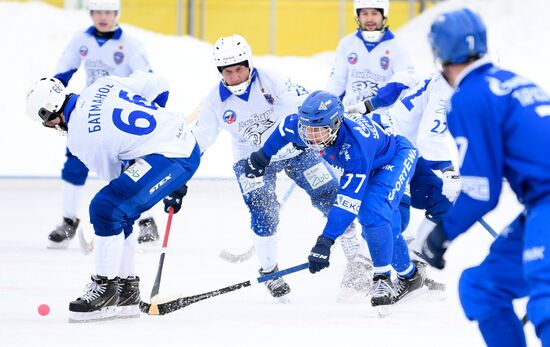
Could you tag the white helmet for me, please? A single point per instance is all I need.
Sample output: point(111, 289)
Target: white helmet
point(103, 5)
point(383, 5)
point(232, 50)
point(45, 98)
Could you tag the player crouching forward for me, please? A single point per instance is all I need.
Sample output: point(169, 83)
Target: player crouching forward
point(114, 121)
point(377, 167)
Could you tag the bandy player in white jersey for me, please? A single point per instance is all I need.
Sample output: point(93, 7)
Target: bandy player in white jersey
point(249, 103)
point(420, 116)
point(119, 128)
point(104, 49)
point(369, 59)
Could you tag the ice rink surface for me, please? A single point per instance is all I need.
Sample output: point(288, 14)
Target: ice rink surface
point(213, 218)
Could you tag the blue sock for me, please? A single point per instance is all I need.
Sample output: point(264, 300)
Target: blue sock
point(503, 329)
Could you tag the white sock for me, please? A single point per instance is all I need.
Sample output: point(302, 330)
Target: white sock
point(127, 264)
point(266, 249)
point(72, 198)
point(108, 254)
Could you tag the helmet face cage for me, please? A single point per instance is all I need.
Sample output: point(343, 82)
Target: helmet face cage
point(319, 137)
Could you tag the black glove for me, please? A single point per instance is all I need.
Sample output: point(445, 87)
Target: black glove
point(320, 254)
point(435, 246)
point(174, 199)
point(256, 163)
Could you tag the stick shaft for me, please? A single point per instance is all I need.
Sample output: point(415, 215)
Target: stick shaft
point(156, 285)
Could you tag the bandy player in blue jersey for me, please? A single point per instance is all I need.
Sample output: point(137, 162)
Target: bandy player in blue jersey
point(120, 129)
point(377, 167)
point(103, 49)
point(501, 123)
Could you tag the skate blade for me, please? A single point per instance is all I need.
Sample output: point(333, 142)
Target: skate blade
point(383, 310)
point(58, 245)
point(412, 295)
point(106, 313)
point(131, 311)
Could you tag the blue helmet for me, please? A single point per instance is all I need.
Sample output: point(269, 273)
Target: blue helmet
point(458, 36)
point(320, 117)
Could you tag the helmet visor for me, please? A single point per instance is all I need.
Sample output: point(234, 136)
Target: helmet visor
point(46, 115)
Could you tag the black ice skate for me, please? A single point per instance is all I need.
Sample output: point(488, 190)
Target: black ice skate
point(432, 285)
point(129, 297)
point(148, 231)
point(405, 286)
point(63, 233)
point(382, 294)
point(277, 287)
point(99, 301)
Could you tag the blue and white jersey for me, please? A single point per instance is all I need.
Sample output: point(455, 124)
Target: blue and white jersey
point(119, 55)
point(506, 135)
point(361, 147)
point(249, 118)
point(420, 115)
point(361, 68)
point(119, 119)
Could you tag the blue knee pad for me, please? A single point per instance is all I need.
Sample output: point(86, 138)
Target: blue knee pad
point(74, 171)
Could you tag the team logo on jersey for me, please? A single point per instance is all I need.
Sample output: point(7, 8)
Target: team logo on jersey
point(119, 57)
point(229, 116)
point(385, 62)
point(83, 50)
point(253, 127)
point(352, 58)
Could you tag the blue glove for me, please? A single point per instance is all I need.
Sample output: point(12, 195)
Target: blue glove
point(174, 199)
point(320, 254)
point(256, 163)
point(435, 246)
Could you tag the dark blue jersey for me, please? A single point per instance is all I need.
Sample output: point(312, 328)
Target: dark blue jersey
point(501, 123)
point(361, 147)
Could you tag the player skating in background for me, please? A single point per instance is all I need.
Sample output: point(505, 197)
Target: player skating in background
point(249, 103)
point(377, 167)
point(501, 123)
point(105, 50)
point(119, 128)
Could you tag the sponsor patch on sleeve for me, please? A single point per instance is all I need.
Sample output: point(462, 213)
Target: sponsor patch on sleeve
point(348, 204)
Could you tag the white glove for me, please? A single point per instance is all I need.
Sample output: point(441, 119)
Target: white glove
point(362, 107)
point(452, 184)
